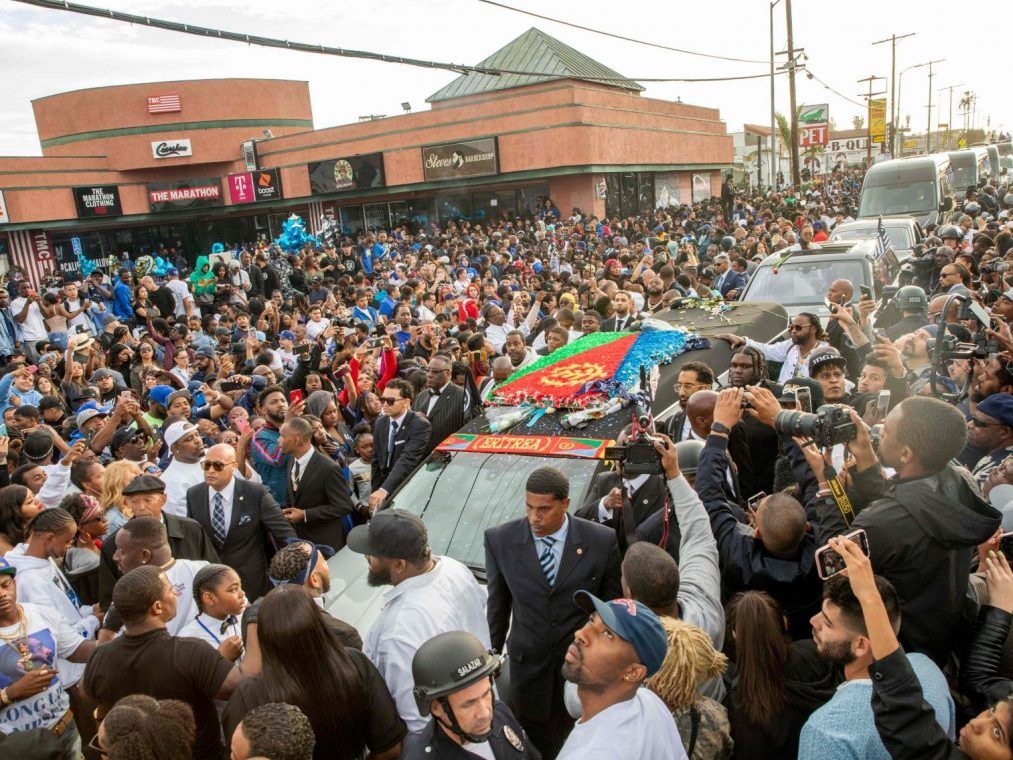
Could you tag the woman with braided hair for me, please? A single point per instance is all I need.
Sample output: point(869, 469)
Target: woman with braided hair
point(691, 661)
point(142, 728)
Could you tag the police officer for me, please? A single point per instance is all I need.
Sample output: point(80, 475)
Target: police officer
point(911, 303)
point(453, 675)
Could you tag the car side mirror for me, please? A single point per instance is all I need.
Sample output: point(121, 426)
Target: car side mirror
point(947, 204)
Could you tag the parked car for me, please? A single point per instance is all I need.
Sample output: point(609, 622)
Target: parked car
point(920, 187)
point(801, 283)
point(903, 232)
point(458, 494)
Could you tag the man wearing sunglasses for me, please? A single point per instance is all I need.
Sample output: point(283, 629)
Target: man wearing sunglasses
point(400, 441)
point(805, 335)
point(990, 430)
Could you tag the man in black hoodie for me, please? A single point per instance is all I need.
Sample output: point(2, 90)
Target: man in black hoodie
point(924, 523)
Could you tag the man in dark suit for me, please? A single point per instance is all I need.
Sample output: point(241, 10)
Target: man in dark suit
point(533, 567)
point(400, 441)
point(441, 402)
point(145, 497)
point(625, 313)
point(645, 493)
point(239, 517)
point(728, 279)
point(318, 495)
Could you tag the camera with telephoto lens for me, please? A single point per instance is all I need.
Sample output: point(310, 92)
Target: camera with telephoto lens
point(638, 456)
point(829, 426)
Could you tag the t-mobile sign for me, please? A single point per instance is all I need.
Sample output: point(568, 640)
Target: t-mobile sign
point(250, 187)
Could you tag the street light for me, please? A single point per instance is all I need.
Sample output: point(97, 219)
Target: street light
point(900, 82)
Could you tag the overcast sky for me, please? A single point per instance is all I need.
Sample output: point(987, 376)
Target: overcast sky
point(44, 52)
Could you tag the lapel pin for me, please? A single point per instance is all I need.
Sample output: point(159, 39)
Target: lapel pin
point(240, 498)
point(580, 552)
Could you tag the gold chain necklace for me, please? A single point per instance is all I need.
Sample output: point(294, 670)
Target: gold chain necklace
point(19, 641)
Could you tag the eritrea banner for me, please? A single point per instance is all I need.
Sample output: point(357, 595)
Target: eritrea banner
point(534, 445)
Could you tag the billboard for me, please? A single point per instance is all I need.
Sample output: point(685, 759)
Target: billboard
point(467, 158)
point(250, 187)
point(97, 201)
point(352, 173)
point(185, 194)
point(813, 125)
point(877, 119)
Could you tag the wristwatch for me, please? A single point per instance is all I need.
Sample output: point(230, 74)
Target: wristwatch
point(717, 427)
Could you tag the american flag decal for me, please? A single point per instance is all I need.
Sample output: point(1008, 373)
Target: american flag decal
point(32, 251)
point(163, 104)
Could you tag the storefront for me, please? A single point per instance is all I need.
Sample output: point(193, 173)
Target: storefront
point(187, 173)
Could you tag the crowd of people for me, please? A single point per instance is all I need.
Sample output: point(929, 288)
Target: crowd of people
point(184, 453)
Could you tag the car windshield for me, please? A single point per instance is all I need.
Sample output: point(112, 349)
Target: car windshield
point(898, 198)
point(899, 237)
point(964, 176)
point(799, 282)
point(459, 499)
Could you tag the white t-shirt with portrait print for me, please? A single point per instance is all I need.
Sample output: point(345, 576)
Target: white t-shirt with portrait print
point(49, 638)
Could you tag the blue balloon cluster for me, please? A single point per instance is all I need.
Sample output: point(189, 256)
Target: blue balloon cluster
point(87, 265)
point(294, 236)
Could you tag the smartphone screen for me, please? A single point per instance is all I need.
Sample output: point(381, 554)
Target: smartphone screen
point(755, 499)
point(296, 396)
point(804, 397)
point(979, 313)
point(882, 405)
point(866, 291)
point(829, 563)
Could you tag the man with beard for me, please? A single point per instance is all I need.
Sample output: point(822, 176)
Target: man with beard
point(520, 354)
point(844, 726)
point(655, 300)
point(749, 367)
point(805, 333)
point(269, 461)
point(923, 523)
point(618, 648)
point(430, 595)
point(624, 316)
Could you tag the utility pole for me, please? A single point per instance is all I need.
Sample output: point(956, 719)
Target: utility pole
point(949, 124)
point(892, 39)
point(774, 165)
point(928, 129)
point(868, 129)
point(796, 178)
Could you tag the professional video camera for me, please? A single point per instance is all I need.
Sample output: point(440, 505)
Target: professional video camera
point(638, 456)
point(830, 425)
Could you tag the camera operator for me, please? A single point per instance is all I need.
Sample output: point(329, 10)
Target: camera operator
point(843, 330)
point(775, 554)
point(923, 524)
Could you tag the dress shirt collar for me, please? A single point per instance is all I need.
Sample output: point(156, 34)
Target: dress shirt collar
point(414, 583)
point(226, 492)
point(304, 460)
point(399, 420)
point(559, 535)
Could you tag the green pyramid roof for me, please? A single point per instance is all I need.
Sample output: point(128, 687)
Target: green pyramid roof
point(533, 51)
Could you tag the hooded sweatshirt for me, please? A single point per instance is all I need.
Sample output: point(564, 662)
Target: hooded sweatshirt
point(203, 279)
point(41, 582)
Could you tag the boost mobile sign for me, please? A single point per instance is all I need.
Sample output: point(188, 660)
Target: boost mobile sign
point(171, 149)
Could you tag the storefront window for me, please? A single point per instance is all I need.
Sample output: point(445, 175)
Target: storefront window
point(453, 207)
point(423, 212)
point(613, 196)
point(527, 199)
point(377, 216)
point(645, 191)
point(351, 220)
point(400, 213)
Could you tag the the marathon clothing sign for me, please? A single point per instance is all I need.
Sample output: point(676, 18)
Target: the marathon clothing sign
point(250, 187)
point(469, 158)
point(97, 201)
point(185, 194)
point(352, 173)
point(171, 148)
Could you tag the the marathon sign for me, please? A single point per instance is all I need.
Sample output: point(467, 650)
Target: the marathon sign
point(250, 187)
point(813, 125)
point(336, 175)
point(185, 194)
point(97, 201)
point(171, 148)
point(469, 158)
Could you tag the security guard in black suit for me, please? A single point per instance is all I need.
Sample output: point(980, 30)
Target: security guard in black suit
point(454, 683)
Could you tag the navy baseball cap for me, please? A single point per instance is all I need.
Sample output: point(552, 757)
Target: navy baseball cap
point(998, 406)
point(6, 568)
point(632, 622)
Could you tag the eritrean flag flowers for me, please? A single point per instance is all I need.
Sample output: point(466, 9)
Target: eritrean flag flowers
point(594, 367)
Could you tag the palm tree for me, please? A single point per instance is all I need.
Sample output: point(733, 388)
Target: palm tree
point(857, 122)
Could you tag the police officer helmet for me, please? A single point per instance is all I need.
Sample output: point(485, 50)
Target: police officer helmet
point(972, 208)
point(447, 663)
point(950, 231)
point(689, 456)
point(727, 242)
point(911, 297)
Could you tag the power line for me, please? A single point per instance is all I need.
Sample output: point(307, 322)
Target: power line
point(835, 92)
point(619, 36)
point(303, 47)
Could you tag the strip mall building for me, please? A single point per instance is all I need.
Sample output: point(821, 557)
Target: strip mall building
point(126, 168)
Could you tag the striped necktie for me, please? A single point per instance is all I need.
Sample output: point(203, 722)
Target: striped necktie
point(548, 559)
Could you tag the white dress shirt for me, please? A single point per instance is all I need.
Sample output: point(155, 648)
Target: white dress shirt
point(302, 461)
point(227, 494)
point(179, 477)
point(557, 547)
point(447, 598)
point(632, 485)
point(434, 398)
point(209, 629)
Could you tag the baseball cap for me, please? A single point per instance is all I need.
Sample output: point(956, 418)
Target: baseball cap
point(50, 402)
point(178, 394)
point(38, 446)
point(392, 533)
point(206, 351)
point(108, 319)
point(998, 406)
point(102, 373)
point(826, 357)
point(287, 335)
point(6, 568)
point(1008, 294)
point(176, 431)
point(160, 394)
point(144, 484)
point(85, 415)
point(633, 622)
point(124, 435)
point(171, 272)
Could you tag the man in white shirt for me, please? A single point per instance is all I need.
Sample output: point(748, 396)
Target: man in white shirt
point(30, 321)
point(316, 324)
point(805, 331)
point(180, 292)
point(621, 646)
point(430, 595)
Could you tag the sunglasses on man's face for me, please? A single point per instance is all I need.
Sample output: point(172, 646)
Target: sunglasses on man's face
point(388, 400)
point(216, 466)
point(980, 423)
